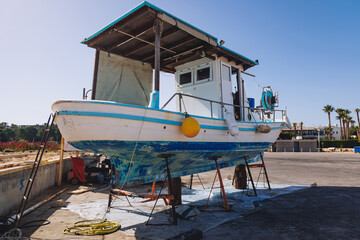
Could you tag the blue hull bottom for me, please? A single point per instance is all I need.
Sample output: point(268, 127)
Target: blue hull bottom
point(141, 162)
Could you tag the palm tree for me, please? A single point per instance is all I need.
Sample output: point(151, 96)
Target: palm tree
point(357, 114)
point(346, 113)
point(352, 123)
point(301, 128)
point(294, 126)
point(348, 119)
point(352, 126)
point(328, 109)
point(340, 116)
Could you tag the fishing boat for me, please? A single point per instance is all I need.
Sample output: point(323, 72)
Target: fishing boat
point(213, 119)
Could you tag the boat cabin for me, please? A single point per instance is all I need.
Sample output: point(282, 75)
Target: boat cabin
point(132, 50)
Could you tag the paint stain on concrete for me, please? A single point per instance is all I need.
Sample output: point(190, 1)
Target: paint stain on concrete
point(21, 184)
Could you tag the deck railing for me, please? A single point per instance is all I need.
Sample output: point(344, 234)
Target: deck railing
point(264, 114)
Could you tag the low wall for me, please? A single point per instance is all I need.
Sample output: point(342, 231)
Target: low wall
point(13, 182)
point(295, 146)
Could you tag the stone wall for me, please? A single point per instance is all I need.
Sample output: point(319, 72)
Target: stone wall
point(295, 146)
point(13, 182)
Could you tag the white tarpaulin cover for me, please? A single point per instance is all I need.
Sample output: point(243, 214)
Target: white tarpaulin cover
point(123, 80)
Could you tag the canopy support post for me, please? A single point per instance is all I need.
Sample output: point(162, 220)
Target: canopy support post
point(96, 68)
point(157, 30)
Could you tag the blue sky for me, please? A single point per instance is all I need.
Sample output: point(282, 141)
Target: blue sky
point(308, 50)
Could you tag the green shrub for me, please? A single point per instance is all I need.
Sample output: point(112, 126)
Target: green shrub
point(340, 143)
point(286, 136)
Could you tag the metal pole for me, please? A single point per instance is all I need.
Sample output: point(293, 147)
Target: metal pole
point(180, 98)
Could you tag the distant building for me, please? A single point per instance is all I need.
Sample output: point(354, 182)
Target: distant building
point(335, 132)
point(308, 132)
point(312, 132)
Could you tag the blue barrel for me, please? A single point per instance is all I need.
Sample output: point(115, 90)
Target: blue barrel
point(251, 103)
point(357, 149)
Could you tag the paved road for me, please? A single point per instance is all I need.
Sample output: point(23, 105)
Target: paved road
point(330, 211)
point(325, 169)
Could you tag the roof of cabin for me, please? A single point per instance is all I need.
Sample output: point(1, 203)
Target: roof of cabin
point(132, 36)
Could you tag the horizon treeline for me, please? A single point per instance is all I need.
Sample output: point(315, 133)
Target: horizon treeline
point(29, 133)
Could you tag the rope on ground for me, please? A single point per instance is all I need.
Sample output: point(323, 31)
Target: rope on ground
point(13, 234)
point(92, 227)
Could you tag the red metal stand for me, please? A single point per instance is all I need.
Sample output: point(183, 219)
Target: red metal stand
point(225, 204)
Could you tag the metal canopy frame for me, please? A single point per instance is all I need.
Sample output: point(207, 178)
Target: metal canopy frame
point(135, 34)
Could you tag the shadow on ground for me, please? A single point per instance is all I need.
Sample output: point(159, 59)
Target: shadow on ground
point(311, 213)
point(308, 213)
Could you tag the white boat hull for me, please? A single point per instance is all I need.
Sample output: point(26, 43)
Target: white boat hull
point(134, 136)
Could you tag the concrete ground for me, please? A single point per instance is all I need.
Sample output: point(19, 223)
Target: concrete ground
point(329, 211)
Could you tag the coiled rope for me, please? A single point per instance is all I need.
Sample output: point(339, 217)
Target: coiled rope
point(92, 227)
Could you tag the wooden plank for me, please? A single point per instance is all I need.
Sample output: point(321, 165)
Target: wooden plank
point(176, 187)
point(96, 68)
point(172, 46)
point(143, 45)
point(137, 34)
point(61, 162)
point(11, 170)
point(143, 40)
point(173, 63)
point(124, 22)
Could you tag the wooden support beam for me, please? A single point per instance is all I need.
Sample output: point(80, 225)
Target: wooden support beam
point(187, 52)
point(143, 40)
point(176, 187)
point(174, 63)
point(240, 177)
point(172, 47)
point(61, 162)
point(157, 54)
point(137, 35)
point(143, 45)
point(96, 68)
point(123, 23)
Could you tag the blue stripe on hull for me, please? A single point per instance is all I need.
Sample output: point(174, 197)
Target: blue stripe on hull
point(155, 120)
point(190, 157)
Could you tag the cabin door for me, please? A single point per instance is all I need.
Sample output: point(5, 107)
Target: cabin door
point(226, 87)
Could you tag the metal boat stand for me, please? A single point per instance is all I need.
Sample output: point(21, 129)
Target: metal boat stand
point(262, 166)
point(172, 202)
point(225, 204)
point(191, 180)
point(168, 198)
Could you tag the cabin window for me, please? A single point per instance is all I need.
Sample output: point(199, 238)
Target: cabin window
point(185, 78)
point(203, 73)
point(195, 75)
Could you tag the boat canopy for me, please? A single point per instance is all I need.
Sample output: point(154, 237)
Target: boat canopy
point(133, 36)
